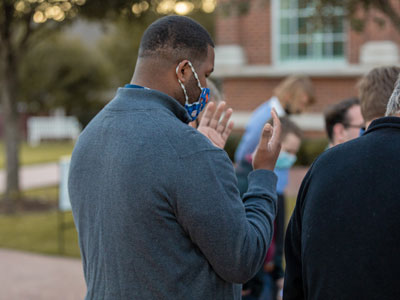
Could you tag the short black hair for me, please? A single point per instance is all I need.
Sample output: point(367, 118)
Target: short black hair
point(175, 38)
point(337, 113)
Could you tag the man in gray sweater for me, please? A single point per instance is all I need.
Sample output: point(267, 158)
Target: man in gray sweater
point(155, 203)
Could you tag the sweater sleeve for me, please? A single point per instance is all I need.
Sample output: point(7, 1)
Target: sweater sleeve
point(278, 272)
point(233, 236)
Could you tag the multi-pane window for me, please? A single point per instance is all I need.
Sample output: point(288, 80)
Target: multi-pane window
point(302, 39)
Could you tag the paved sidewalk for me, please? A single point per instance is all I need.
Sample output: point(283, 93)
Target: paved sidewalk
point(43, 175)
point(26, 276)
point(35, 176)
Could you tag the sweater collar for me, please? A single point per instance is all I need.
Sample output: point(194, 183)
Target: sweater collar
point(385, 122)
point(139, 98)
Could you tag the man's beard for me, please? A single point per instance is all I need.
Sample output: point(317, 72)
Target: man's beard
point(192, 89)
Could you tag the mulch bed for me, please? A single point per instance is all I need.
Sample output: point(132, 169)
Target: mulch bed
point(28, 205)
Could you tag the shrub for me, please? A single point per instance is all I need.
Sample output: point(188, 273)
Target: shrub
point(310, 149)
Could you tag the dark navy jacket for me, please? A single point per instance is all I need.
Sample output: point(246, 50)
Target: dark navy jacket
point(157, 207)
point(343, 240)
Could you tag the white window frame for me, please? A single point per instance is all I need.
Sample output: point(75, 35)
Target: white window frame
point(328, 62)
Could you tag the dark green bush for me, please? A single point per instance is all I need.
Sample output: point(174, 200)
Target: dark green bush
point(310, 148)
point(232, 143)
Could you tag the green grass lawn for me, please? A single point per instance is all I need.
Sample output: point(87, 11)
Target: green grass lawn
point(45, 194)
point(38, 232)
point(45, 152)
point(289, 207)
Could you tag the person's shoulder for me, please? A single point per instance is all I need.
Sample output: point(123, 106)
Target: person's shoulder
point(189, 141)
point(266, 106)
point(340, 155)
point(261, 114)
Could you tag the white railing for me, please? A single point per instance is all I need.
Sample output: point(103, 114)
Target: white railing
point(64, 203)
point(59, 127)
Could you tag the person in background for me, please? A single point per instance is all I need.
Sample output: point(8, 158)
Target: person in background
point(343, 121)
point(291, 96)
point(268, 282)
point(343, 238)
point(374, 91)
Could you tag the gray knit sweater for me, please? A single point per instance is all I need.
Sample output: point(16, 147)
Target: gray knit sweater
point(157, 209)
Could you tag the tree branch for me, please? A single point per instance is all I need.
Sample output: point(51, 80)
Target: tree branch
point(28, 30)
point(5, 28)
point(387, 9)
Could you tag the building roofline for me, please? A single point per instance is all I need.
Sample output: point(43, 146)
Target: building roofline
point(268, 71)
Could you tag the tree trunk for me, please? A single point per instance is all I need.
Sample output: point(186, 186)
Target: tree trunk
point(8, 83)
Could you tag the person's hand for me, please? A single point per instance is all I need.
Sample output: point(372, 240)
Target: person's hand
point(212, 127)
point(268, 148)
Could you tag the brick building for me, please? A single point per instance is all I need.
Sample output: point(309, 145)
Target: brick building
point(276, 38)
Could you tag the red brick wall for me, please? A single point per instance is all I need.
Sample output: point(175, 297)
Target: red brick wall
point(253, 32)
point(226, 30)
point(247, 94)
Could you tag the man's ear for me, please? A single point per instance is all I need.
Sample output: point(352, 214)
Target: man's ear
point(338, 132)
point(183, 71)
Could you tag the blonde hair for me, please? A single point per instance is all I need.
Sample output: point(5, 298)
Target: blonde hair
point(291, 88)
point(375, 89)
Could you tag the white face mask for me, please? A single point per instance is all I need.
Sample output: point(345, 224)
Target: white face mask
point(195, 108)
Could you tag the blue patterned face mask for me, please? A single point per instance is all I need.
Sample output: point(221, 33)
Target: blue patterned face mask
point(285, 160)
point(195, 108)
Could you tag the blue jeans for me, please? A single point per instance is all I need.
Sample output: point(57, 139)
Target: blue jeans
point(268, 288)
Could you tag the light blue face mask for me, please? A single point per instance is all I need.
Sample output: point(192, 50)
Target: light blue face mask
point(285, 160)
point(195, 108)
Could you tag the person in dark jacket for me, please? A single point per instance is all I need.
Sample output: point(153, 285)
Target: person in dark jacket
point(343, 238)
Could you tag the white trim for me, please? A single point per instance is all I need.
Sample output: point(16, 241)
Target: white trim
point(275, 29)
point(317, 69)
point(276, 15)
point(306, 121)
point(274, 101)
point(309, 121)
point(379, 52)
point(230, 55)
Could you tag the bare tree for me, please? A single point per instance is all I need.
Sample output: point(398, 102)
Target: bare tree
point(22, 22)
